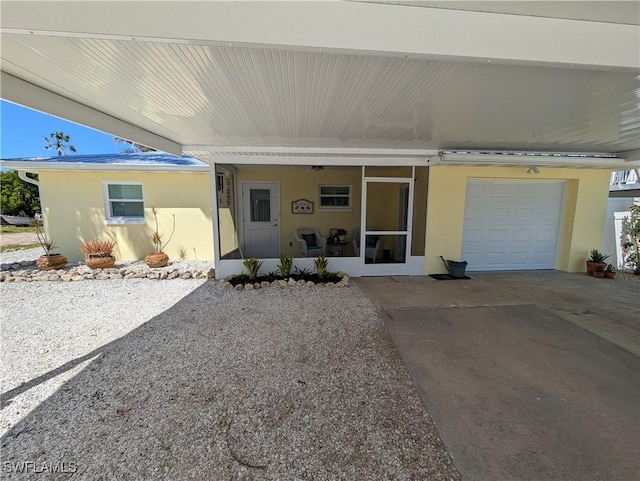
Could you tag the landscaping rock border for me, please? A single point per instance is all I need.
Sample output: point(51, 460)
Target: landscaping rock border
point(26, 271)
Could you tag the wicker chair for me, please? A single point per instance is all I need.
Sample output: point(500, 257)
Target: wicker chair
point(311, 242)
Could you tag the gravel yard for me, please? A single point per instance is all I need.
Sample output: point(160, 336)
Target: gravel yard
point(144, 379)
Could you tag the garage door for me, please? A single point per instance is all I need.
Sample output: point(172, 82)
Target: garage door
point(510, 225)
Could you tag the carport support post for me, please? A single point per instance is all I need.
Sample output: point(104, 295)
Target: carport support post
point(214, 214)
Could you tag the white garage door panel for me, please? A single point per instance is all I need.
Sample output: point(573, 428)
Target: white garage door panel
point(512, 225)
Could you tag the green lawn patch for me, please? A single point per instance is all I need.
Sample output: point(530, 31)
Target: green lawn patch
point(18, 247)
point(14, 229)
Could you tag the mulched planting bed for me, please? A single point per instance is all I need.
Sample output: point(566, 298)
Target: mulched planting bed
point(306, 277)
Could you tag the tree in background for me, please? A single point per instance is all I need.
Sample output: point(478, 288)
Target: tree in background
point(18, 197)
point(132, 147)
point(631, 233)
point(60, 142)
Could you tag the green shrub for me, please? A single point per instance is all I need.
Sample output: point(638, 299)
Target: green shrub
point(286, 263)
point(321, 264)
point(252, 266)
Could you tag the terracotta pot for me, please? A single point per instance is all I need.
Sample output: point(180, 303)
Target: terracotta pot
point(100, 262)
point(50, 262)
point(594, 266)
point(609, 275)
point(157, 259)
point(598, 274)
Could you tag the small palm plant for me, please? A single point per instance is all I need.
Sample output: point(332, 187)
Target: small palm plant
point(253, 267)
point(47, 245)
point(159, 258)
point(97, 248)
point(285, 266)
point(49, 260)
point(156, 237)
point(98, 253)
point(597, 256)
point(321, 264)
point(182, 252)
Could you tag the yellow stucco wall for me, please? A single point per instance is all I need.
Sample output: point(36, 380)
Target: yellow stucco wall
point(586, 197)
point(74, 212)
point(303, 183)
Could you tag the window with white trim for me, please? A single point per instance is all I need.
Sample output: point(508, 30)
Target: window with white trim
point(123, 203)
point(335, 197)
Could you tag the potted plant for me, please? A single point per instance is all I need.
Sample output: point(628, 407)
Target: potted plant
point(609, 272)
point(98, 254)
point(49, 260)
point(158, 258)
point(598, 271)
point(596, 261)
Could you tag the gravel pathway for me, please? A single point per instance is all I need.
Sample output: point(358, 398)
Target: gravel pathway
point(271, 384)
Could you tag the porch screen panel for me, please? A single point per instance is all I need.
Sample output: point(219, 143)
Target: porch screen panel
point(227, 223)
point(260, 205)
point(419, 211)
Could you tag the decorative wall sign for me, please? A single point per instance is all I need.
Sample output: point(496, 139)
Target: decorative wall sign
point(302, 206)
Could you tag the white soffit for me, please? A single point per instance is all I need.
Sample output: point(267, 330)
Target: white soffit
point(193, 88)
point(608, 11)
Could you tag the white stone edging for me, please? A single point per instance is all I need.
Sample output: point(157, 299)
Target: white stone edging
point(26, 271)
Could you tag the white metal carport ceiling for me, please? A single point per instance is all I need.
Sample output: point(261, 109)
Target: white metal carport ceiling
point(185, 84)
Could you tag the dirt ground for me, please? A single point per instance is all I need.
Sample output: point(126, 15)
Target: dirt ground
point(18, 239)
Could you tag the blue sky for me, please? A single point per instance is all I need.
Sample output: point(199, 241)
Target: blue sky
point(23, 131)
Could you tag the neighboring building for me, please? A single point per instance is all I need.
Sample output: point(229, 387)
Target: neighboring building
point(486, 135)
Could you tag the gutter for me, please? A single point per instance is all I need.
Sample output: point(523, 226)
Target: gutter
point(22, 175)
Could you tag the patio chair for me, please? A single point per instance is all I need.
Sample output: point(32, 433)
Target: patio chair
point(311, 242)
point(372, 245)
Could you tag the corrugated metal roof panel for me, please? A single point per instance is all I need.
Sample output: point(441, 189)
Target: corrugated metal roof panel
point(157, 159)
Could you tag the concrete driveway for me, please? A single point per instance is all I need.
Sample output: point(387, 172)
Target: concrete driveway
point(528, 376)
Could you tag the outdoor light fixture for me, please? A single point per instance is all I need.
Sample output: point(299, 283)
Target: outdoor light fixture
point(533, 169)
point(317, 168)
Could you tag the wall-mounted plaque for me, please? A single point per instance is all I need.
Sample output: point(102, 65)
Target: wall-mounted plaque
point(302, 206)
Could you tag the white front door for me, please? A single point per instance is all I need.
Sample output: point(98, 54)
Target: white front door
point(261, 213)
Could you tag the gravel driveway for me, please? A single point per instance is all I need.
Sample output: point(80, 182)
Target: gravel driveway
point(143, 379)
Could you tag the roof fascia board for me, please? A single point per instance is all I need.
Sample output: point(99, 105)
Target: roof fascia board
point(213, 149)
point(24, 93)
point(35, 166)
point(324, 161)
point(352, 27)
